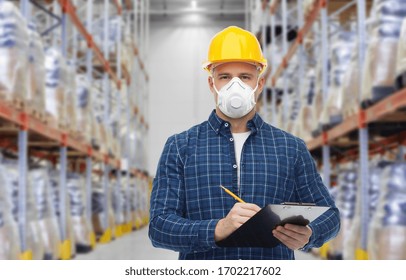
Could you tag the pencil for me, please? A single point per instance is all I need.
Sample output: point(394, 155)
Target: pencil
point(233, 195)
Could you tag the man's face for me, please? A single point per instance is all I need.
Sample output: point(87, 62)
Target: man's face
point(246, 72)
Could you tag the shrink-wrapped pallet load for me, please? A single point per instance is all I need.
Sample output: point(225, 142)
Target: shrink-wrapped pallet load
point(145, 199)
point(387, 235)
point(35, 99)
point(46, 212)
point(346, 202)
point(70, 123)
point(354, 241)
point(99, 133)
point(13, 53)
point(98, 209)
point(56, 84)
point(380, 60)
point(33, 242)
point(54, 177)
point(82, 227)
point(317, 104)
point(138, 198)
point(83, 107)
point(341, 48)
point(350, 88)
point(102, 211)
point(9, 235)
point(401, 59)
point(117, 202)
point(305, 119)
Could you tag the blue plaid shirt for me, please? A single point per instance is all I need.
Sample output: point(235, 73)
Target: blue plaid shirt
point(187, 202)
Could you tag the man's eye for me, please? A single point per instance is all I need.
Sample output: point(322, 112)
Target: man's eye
point(245, 78)
point(224, 77)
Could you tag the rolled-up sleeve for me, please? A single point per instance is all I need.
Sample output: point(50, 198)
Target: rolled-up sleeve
point(168, 226)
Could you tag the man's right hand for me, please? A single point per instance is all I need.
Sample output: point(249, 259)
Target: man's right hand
point(238, 215)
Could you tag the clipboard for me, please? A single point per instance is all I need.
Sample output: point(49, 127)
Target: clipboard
point(257, 231)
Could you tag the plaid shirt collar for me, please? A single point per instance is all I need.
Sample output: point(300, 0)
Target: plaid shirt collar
point(221, 126)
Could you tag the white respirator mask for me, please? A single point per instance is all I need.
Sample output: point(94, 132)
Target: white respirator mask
point(236, 98)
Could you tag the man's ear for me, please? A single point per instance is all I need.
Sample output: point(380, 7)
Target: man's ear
point(261, 84)
point(211, 84)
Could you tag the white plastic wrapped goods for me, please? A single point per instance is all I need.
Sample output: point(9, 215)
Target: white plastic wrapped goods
point(138, 199)
point(13, 52)
point(354, 240)
point(54, 177)
point(350, 89)
point(317, 104)
point(401, 59)
point(341, 48)
point(46, 213)
point(379, 70)
point(98, 209)
point(304, 123)
point(99, 135)
point(70, 99)
point(145, 199)
point(388, 232)
point(81, 226)
point(34, 241)
point(9, 236)
point(308, 6)
point(83, 101)
point(36, 72)
point(56, 81)
point(346, 202)
point(117, 202)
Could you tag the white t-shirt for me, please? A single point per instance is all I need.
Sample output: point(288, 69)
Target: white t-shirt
point(239, 140)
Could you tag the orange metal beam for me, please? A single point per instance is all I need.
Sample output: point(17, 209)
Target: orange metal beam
point(118, 6)
point(303, 32)
point(274, 6)
point(343, 128)
point(315, 143)
point(386, 106)
point(69, 9)
point(128, 4)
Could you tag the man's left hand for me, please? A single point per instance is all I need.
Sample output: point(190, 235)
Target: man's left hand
point(293, 236)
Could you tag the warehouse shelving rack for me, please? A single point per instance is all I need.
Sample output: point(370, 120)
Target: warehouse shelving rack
point(333, 149)
point(29, 132)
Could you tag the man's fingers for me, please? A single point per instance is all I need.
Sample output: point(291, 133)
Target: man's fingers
point(293, 236)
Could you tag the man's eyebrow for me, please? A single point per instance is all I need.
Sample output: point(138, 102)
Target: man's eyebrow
point(239, 74)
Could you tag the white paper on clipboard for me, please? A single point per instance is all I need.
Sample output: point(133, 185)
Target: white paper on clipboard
point(297, 214)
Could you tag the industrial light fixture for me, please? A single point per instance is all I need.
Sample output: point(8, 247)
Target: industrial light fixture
point(194, 4)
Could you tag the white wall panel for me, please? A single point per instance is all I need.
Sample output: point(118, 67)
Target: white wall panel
point(179, 93)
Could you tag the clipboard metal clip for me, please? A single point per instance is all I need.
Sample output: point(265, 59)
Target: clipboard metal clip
point(299, 203)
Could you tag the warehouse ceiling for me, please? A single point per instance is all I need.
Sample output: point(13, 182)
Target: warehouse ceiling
point(221, 9)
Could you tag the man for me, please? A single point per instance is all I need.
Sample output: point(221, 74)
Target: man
point(235, 148)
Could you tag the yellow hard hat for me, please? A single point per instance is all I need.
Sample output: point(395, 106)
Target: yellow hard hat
point(235, 44)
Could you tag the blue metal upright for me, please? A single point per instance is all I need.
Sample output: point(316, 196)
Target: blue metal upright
point(273, 65)
point(265, 17)
point(89, 75)
point(106, 118)
point(363, 133)
point(22, 188)
point(26, 252)
point(325, 59)
point(285, 97)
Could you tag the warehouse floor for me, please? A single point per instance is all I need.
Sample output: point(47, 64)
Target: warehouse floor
point(137, 246)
